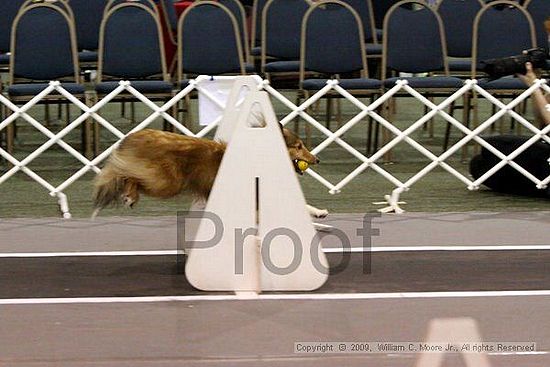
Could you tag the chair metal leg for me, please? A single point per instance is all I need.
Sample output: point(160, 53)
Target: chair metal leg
point(47, 114)
point(386, 113)
point(521, 109)
point(466, 120)
point(96, 129)
point(10, 136)
point(339, 112)
point(174, 114)
point(368, 148)
point(426, 110)
point(376, 136)
point(369, 137)
point(307, 128)
point(476, 148)
point(87, 130)
point(500, 120)
point(297, 120)
point(447, 136)
point(430, 123)
point(68, 111)
point(328, 112)
point(133, 112)
point(187, 112)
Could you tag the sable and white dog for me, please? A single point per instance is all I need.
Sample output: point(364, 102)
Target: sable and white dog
point(163, 165)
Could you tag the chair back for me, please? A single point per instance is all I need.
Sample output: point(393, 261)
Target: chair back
point(62, 4)
point(366, 13)
point(111, 3)
point(281, 28)
point(88, 15)
point(130, 43)
point(539, 11)
point(502, 28)
point(7, 15)
point(458, 20)
point(332, 50)
point(414, 40)
point(209, 41)
point(43, 44)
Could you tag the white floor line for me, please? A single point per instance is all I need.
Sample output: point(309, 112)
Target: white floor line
point(326, 250)
point(438, 248)
point(89, 253)
point(264, 297)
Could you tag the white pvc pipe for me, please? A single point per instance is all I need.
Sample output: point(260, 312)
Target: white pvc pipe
point(296, 111)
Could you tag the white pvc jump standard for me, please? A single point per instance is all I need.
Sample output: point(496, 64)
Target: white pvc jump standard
point(259, 202)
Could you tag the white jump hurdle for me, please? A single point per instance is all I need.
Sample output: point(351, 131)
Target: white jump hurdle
point(268, 240)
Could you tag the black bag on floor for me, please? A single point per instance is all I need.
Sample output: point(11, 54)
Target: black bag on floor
point(508, 179)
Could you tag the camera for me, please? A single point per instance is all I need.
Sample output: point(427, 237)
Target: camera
point(504, 66)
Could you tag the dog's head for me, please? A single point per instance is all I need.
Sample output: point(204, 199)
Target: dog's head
point(297, 150)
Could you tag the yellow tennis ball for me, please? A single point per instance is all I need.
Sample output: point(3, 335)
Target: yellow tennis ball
point(303, 165)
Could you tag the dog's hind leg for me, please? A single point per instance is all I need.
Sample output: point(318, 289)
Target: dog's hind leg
point(95, 213)
point(130, 195)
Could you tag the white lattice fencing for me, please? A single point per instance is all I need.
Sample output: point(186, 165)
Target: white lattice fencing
point(336, 137)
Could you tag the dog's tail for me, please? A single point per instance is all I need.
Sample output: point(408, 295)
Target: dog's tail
point(108, 186)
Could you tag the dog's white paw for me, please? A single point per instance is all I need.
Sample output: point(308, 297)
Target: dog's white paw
point(316, 213)
point(319, 213)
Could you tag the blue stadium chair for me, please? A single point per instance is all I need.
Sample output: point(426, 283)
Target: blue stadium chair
point(335, 52)
point(414, 42)
point(131, 48)
point(7, 15)
point(281, 27)
point(539, 10)
point(492, 39)
point(458, 19)
point(491, 26)
point(209, 42)
point(44, 31)
point(88, 15)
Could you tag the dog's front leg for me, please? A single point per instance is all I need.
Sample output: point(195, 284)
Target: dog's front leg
point(315, 212)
